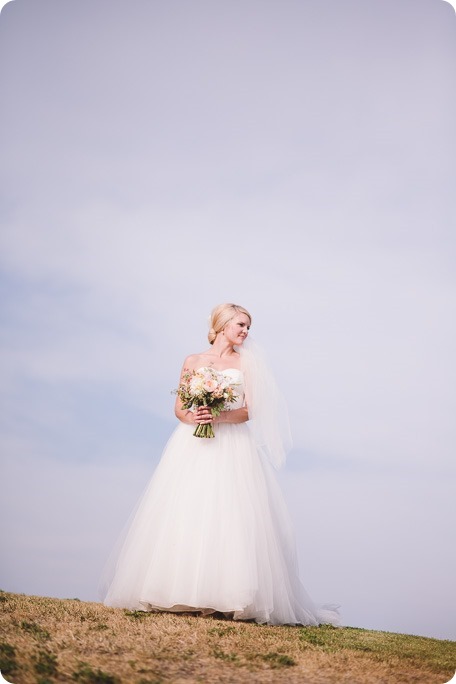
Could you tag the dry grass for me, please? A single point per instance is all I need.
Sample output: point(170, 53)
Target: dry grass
point(48, 640)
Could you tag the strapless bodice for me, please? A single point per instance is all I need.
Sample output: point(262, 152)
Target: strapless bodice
point(225, 371)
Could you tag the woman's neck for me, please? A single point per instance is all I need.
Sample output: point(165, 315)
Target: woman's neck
point(222, 348)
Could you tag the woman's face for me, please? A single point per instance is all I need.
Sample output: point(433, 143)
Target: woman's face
point(237, 329)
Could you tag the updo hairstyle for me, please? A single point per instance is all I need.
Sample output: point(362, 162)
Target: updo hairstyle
point(221, 315)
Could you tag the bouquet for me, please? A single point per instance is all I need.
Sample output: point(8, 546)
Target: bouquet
point(205, 387)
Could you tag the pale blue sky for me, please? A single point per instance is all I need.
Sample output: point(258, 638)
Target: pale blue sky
point(295, 157)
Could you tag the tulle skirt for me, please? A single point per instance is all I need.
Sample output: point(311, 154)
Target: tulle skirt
point(212, 534)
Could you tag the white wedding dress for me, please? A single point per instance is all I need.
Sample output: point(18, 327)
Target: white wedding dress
point(212, 534)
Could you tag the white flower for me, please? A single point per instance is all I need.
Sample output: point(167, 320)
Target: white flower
point(196, 385)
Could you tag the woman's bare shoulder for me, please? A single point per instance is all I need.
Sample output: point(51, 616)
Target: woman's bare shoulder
point(195, 361)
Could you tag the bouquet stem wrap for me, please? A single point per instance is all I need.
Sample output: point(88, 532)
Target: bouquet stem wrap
point(204, 430)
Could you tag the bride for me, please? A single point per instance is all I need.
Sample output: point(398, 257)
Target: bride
point(211, 533)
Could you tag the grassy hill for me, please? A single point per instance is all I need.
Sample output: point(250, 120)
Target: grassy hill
point(46, 640)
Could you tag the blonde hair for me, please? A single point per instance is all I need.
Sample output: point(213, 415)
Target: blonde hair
point(221, 315)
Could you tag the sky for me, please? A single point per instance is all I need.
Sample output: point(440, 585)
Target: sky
point(295, 157)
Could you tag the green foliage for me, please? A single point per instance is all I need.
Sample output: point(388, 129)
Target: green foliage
point(228, 657)
point(34, 629)
point(45, 663)
point(277, 659)
point(438, 654)
point(137, 614)
point(8, 662)
point(86, 675)
point(100, 627)
point(222, 631)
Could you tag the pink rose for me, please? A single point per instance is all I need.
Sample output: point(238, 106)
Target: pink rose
point(210, 385)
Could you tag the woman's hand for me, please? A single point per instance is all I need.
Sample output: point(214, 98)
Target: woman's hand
point(203, 415)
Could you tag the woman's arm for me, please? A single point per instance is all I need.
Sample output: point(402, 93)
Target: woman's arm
point(185, 415)
point(239, 415)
